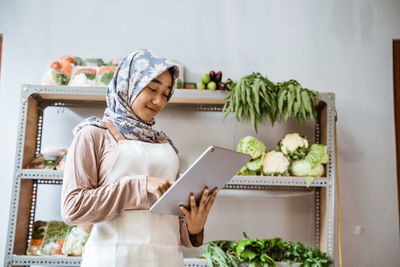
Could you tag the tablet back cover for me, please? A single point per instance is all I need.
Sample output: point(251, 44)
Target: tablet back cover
point(214, 168)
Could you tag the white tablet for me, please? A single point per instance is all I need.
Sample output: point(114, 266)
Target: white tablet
point(214, 168)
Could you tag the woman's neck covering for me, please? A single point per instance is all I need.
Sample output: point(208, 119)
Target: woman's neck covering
point(132, 75)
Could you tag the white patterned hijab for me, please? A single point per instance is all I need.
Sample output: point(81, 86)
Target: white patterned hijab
point(133, 74)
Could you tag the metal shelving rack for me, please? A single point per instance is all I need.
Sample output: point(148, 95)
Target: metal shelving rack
point(35, 98)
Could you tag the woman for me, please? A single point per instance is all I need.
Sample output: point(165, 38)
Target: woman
point(118, 166)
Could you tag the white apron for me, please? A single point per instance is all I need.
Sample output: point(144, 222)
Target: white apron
point(138, 237)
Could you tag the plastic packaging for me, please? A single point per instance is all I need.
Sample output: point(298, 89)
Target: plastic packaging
point(59, 72)
point(51, 158)
point(54, 238)
point(105, 75)
point(179, 84)
point(83, 76)
point(39, 230)
point(75, 241)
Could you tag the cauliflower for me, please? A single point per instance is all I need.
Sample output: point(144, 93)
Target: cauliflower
point(294, 146)
point(275, 163)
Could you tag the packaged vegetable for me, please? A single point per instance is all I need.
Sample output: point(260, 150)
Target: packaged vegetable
point(75, 241)
point(38, 232)
point(59, 72)
point(84, 76)
point(61, 164)
point(105, 75)
point(52, 156)
point(54, 238)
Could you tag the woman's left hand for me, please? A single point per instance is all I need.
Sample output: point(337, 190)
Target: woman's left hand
point(197, 215)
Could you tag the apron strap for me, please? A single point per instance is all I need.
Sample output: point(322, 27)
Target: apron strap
point(114, 131)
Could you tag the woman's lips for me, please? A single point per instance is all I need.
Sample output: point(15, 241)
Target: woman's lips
point(152, 110)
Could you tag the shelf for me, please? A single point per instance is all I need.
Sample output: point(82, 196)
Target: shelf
point(76, 261)
point(97, 94)
point(232, 184)
point(60, 93)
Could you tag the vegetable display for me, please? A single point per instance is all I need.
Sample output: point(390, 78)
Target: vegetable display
point(75, 71)
point(293, 156)
point(262, 252)
point(255, 97)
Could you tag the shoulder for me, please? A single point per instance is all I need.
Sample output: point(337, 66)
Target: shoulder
point(91, 131)
point(91, 134)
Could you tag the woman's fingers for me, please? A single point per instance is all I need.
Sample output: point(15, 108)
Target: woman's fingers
point(203, 199)
point(192, 200)
point(158, 193)
point(185, 211)
point(211, 200)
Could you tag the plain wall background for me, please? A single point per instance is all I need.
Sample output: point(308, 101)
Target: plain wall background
point(342, 46)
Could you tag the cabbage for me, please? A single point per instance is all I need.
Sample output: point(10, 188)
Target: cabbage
point(303, 168)
point(300, 168)
point(252, 146)
point(317, 171)
point(255, 164)
point(318, 154)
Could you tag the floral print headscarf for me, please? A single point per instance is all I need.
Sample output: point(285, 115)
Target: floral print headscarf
point(133, 74)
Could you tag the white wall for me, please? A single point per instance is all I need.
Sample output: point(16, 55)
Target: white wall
point(342, 46)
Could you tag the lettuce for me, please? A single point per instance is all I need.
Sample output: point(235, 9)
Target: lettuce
point(252, 146)
point(303, 168)
point(318, 154)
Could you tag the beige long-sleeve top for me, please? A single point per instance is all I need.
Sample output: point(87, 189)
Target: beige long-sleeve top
point(87, 199)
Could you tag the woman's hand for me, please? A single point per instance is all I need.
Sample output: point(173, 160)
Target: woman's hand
point(157, 186)
point(197, 215)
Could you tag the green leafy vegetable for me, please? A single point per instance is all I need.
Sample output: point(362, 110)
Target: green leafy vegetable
point(56, 229)
point(256, 149)
point(318, 154)
point(263, 252)
point(90, 76)
point(250, 145)
point(106, 78)
point(216, 254)
point(255, 97)
point(62, 79)
point(303, 168)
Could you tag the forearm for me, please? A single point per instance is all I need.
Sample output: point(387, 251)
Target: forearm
point(81, 205)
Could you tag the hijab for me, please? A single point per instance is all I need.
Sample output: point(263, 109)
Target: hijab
point(132, 75)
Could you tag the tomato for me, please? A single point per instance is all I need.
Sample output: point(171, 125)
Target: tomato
point(55, 65)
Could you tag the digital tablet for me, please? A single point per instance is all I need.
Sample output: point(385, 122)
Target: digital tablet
point(214, 168)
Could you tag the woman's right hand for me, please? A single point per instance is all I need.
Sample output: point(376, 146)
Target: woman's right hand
point(157, 186)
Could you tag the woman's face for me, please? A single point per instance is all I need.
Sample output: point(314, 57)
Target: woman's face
point(153, 97)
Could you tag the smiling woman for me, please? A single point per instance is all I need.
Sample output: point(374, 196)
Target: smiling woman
point(117, 166)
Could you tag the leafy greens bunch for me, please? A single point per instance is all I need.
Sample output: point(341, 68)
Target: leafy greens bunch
point(252, 97)
point(255, 97)
point(263, 252)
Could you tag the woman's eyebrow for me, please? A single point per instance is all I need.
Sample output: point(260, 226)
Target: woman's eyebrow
point(157, 81)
